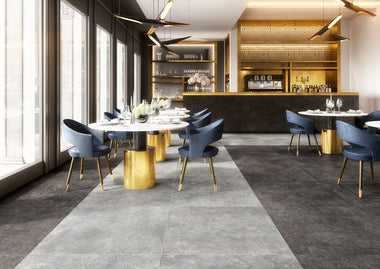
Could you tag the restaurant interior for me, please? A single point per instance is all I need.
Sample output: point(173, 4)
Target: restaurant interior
point(189, 134)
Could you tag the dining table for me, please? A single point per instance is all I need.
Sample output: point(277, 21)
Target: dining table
point(330, 142)
point(373, 124)
point(140, 158)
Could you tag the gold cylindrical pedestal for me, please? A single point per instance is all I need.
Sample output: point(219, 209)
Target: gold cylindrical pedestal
point(139, 169)
point(168, 137)
point(331, 144)
point(157, 141)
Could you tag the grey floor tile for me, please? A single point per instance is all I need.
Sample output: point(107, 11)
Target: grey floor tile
point(125, 231)
point(225, 230)
point(88, 261)
point(229, 261)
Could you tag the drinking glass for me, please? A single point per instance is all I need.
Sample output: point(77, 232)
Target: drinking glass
point(125, 113)
point(331, 104)
point(339, 103)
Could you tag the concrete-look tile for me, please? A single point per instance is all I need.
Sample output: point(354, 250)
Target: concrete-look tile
point(229, 261)
point(63, 261)
point(216, 230)
point(119, 231)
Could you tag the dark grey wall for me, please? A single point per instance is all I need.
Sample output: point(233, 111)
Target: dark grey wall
point(220, 66)
point(260, 113)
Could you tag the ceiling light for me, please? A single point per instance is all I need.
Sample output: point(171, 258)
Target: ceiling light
point(303, 3)
point(355, 8)
point(339, 38)
point(332, 23)
point(155, 41)
point(166, 9)
point(128, 19)
point(325, 28)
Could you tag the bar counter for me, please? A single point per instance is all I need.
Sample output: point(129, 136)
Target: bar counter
point(263, 112)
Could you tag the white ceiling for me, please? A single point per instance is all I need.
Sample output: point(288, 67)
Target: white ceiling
point(213, 19)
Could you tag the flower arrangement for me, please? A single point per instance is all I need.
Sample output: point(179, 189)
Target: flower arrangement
point(141, 112)
point(199, 80)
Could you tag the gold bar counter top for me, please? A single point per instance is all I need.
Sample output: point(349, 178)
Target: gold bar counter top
point(264, 112)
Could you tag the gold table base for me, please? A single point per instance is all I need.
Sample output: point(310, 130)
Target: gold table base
point(168, 137)
point(139, 169)
point(157, 141)
point(331, 144)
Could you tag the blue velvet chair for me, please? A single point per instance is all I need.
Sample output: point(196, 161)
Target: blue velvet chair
point(302, 126)
point(199, 147)
point(203, 120)
point(197, 115)
point(89, 143)
point(373, 116)
point(116, 112)
point(364, 146)
point(116, 137)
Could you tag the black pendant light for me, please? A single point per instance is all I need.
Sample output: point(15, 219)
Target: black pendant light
point(325, 28)
point(355, 8)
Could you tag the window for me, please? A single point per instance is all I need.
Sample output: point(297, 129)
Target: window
point(121, 74)
point(103, 40)
point(20, 84)
point(73, 59)
point(137, 79)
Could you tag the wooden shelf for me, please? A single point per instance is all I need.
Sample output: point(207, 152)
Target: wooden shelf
point(184, 61)
point(315, 68)
point(288, 42)
point(178, 76)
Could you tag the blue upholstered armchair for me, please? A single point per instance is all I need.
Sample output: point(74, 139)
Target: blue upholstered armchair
point(116, 137)
point(302, 126)
point(197, 115)
point(199, 147)
point(373, 116)
point(89, 143)
point(363, 147)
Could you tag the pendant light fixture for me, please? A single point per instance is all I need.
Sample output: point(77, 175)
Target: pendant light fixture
point(355, 8)
point(339, 38)
point(154, 38)
point(325, 28)
point(159, 22)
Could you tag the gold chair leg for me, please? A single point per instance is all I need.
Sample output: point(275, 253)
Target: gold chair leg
point(372, 176)
point(70, 172)
point(204, 160)
point(291, 140)
point(212, 173)
point(100, 172)
point(360, 179)
point(179, 159)
point(342, 170)
point(111, 144)
point(308, 140)
point(81, 168)
point(316, 143)
point(183, 142)
point(298, 145)
point(116, 146)
point(109, 166)
point(182, 173)
point(130, 142)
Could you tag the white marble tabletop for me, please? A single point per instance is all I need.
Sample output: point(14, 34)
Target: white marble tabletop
point(323, 113)
point(375, 124)
point(138, 127)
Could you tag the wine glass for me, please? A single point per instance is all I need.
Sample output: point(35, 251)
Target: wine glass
point(339, 104)
point(331, 104)
point(327, 104)
point(125, 113)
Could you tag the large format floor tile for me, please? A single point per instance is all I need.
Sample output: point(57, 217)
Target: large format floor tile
point(164, 228)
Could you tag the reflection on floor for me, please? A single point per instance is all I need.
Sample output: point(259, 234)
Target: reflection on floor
point(164, 228)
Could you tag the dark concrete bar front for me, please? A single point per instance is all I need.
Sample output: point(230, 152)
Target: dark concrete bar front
point(264, 112)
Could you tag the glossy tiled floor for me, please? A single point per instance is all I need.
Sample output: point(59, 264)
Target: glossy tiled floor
point(164, 228)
